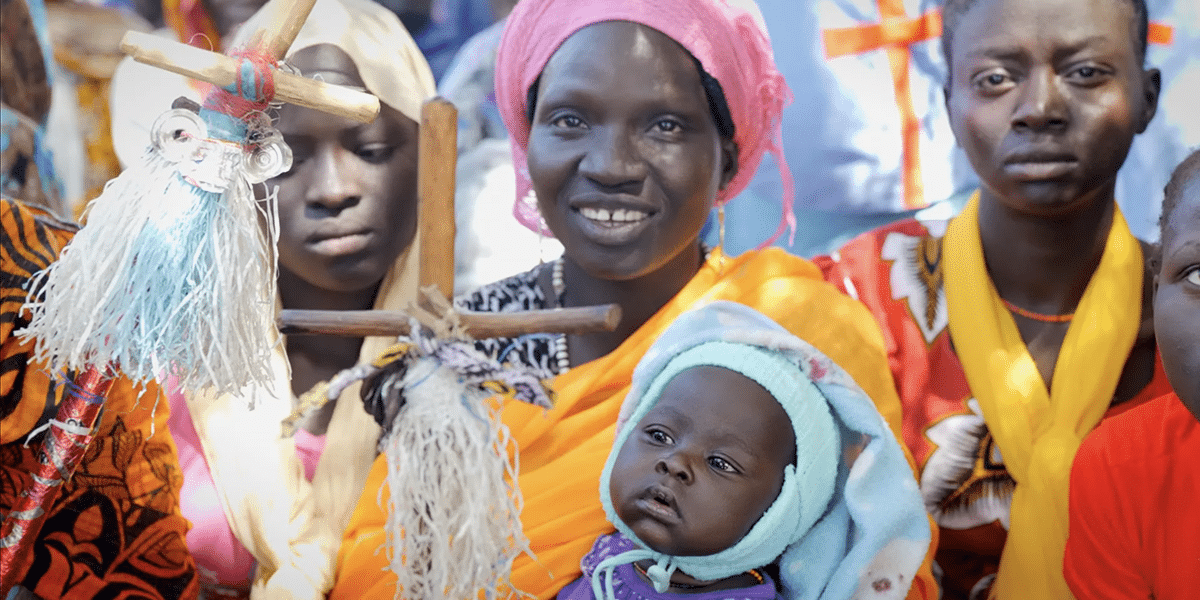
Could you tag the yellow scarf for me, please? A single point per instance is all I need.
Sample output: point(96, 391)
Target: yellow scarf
point(1039, 432)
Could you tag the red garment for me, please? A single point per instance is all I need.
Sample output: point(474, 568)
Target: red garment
point(1135, 491)
point(896, 271)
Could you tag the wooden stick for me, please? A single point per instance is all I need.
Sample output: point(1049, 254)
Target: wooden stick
point(281, 29)
point(435, 191)
point(222, 70)
point(364, 323)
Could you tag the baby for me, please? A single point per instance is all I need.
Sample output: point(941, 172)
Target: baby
point(728, 454)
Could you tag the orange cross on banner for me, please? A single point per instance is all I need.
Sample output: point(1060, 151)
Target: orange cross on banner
point(1160, 34)
point(895, 33)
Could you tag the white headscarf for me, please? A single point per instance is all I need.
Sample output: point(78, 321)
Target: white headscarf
point(291, 526)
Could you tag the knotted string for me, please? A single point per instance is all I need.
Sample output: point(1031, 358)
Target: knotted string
point(228, 109)
point(659, 573)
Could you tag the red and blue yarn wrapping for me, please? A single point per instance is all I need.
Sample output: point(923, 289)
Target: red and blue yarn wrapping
point(62, 450)
point(228, 109)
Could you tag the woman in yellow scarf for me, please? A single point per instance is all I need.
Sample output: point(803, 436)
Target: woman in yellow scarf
point(1017, 326)
point(636, 118)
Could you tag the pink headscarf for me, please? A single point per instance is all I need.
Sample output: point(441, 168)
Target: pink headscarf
point(726, 36)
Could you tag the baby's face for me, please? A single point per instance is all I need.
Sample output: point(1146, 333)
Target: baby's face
point(704, 464)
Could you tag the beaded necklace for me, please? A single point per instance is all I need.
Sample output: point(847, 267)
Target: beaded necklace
point(1029, 314)
point(688, 586)
point(562, 359)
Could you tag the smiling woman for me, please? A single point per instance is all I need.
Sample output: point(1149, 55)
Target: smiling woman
point(625, 182)
point(347, 240)
point(630, 120)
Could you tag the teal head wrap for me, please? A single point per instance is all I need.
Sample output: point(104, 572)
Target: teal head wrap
point(808, 484)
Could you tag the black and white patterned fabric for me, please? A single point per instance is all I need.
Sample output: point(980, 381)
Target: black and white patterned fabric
point(518, 293)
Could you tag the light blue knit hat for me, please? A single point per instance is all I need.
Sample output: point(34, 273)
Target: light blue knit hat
point(808, 485)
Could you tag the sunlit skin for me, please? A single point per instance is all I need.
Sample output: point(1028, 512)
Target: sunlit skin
point(622, 124)
point(1177, 297)
point(703, 465)
point(347, 209)
point(1045, 97)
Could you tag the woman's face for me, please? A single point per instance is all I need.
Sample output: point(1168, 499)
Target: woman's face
point(348, 206)
point(1045, 97)
point(623, 153)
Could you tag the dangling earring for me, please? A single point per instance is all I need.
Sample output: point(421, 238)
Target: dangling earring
point(541, 246)
point(721, 236)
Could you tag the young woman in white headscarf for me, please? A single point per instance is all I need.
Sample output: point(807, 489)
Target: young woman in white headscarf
point(268, 506)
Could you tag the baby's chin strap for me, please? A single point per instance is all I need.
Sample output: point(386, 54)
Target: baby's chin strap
point(659, 574)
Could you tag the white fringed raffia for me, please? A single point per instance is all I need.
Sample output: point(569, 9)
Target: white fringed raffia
point(166, 278)
point(454, 524)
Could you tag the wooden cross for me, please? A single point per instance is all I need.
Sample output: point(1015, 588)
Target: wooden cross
point(64, 445)
point(435, 190)
point(894, 34)
point(436, 175)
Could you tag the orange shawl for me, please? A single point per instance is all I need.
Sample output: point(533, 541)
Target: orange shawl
point(562, 451)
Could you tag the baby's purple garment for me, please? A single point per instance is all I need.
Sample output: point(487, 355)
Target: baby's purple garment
point(628, 585)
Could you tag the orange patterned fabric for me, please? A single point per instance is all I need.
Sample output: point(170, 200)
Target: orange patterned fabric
point(115, 530)
point(563, 450)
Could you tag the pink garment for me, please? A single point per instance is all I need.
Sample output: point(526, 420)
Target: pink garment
point(309, 448)
point(721, 34)
point(221, 559)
